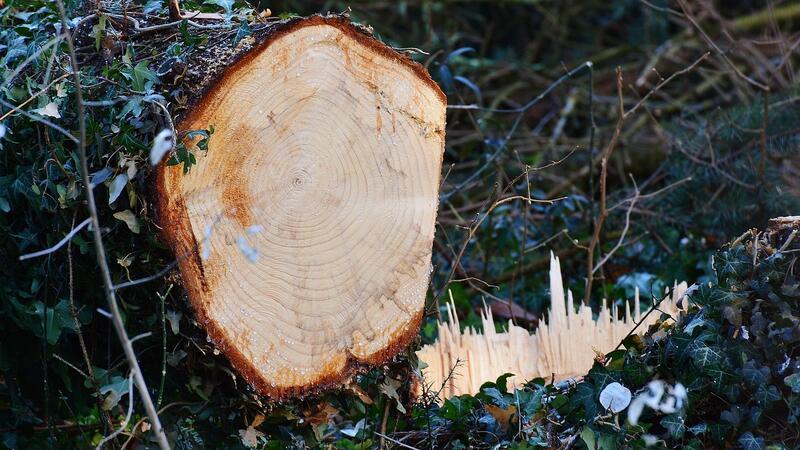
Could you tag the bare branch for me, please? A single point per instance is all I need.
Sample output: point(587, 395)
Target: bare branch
point(116, 316)
point(60, 243)
point(125, 422)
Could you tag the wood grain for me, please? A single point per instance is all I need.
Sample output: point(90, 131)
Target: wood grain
point(563, 346)
point(310, 219)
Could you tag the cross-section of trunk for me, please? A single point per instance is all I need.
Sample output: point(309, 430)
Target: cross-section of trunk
point(304, 232)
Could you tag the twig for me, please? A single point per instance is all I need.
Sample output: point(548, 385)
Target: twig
point(624, 229)
point(665, 82)
point(60, 243)
point(520, 114)
point(604, 158)
point(98, 241)
point(719, 51)
point(32, 97)
point(73, 310)
point(163, 346)
point(55, 41)
point(42, 120)
point(124, 423)
point(394, 441)
point(71, 366)
point(601, 218)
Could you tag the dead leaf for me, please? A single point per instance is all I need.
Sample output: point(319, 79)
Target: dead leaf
point(504, 416)
point(130, 220)
point(322, 415)
point(250, 435)
point(360, 393)
point(258, 420)
point(389, 387)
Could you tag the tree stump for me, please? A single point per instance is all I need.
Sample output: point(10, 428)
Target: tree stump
point(304, 232)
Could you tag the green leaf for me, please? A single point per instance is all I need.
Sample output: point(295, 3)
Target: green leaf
point(703, 355)
point(530, 400)
point(498, 398)
point(4, 205)
point(243, 32)
point(58, 318)
point(116, 187)
point(227, 5)
point(99, 30)
point(793, 381)
point(130, 220)
point(766, 394)
point(114, 391)
point(750, 442)
point(141, 77)
point(698, 429)
point(674, 423)
point(595, 440)
point(585, 397)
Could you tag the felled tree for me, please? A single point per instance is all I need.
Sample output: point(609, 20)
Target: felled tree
point(304, 231)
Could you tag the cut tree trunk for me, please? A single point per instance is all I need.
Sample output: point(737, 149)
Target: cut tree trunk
point(304, 232)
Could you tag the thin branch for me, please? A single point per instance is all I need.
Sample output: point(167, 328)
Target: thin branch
point(55, 41)
point(665, 82)
point(60, 243)
point(148, 279)
point(36, 118)
point(517, 121)
point(624, 229)
point(719, 51)
point(98, 241)
point(34, 96)
point(125, 422)
point(394, 441)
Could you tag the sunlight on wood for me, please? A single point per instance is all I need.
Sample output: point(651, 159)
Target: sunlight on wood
point(563, 346)
point(313, 208)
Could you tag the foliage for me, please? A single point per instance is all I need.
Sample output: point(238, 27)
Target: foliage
point(64, 383)
point(735, 351)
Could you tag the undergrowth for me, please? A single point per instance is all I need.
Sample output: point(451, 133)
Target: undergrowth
point(705, 160)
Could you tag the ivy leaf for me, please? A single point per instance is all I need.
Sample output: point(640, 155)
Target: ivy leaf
point(130, 220)
point(750, 442)
point(703, 355)
point(49, 110)
point(497, 397)
point(584, 396)
point(114, 391)
point(674, 423)
point(100, 176)
point(793, 381)
point(530, 400)
point(698, 429)
point(57, 318)
point(754, 374)
point(766, 394)
point(243, 32)
point(595, 440)
point(141, 77)
point(116, 186)
point(227, 5)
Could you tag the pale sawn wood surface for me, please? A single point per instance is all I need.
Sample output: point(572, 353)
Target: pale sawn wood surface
point(313, 209)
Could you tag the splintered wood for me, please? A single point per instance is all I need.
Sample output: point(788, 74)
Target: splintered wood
point(304, 233)
point(563, 346)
